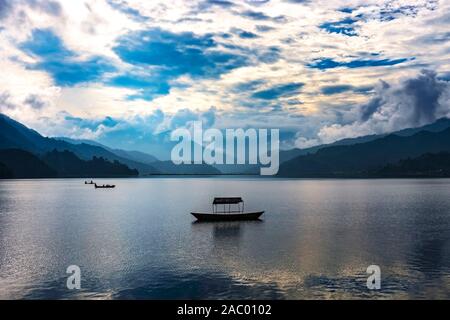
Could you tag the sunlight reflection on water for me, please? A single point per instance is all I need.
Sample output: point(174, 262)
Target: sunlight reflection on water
point(316, 239)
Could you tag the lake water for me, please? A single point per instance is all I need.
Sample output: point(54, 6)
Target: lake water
point(316, 240)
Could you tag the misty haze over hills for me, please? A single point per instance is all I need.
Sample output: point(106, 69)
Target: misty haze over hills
point(23, 149)
point(363, 159)
point(14, 135)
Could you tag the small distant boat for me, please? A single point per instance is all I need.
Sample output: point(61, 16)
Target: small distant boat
point(232, 214)
point(104, 186)
point(90, 182)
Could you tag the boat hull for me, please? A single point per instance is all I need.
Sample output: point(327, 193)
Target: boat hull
point(227, 216)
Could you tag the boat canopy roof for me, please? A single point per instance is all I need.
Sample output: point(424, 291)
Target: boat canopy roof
point(232, 200)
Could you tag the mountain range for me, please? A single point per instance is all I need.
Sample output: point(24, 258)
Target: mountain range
point(420, 151)
point(17, 163)
point(14, 135)
point(365, 156)
point(426, 165)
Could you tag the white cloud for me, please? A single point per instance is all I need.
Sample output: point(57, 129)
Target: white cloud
point(91, 28)
point(412, 102)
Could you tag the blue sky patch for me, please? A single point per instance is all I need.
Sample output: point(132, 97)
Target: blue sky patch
point(185, 57)
point(283, 90)
point(329, 90)
point(221, 3)
point(389, 14)
point(92, 124)
point(346, 10)
point(327, 63)
point(248, 86)
point(244, 34)
point(256, 15)
point(148, 87)
point(44, 43)
point(171, 55)
point(126, 9)
point(345, 27)
point(62, 64)
point(341, 88)
point(177, 54)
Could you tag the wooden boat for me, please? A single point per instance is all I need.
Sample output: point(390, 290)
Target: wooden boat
point(227, 216)
point(105, 186)
point(90, 182)
point(232, 214)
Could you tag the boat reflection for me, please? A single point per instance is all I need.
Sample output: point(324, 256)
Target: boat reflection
point(226, 234)
point(226, 230)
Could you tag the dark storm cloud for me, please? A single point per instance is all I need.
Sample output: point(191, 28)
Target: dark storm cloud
point(5, 103)
point(5, 7)
point(411, 102)
point(35, 101)
point(47, 6)
point(368, 109)
point(416, 100)
point(261, 16)
point(264, 28)
point(425, 91)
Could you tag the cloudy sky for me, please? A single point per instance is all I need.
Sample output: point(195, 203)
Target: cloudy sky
point(123, 71)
